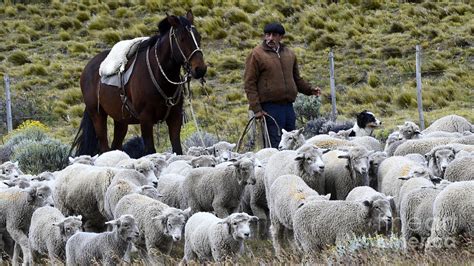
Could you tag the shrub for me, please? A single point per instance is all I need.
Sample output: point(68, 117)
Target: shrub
point(111, 37)
point(37, 70)
point(373, 80)
point(38, 156)
point(396, 27)
point(76, 48)
point(307, 107)
point(66, 23)
point(234, 96)
point(230, 63)
point(19, 58)
point(235, 15)
point(195, 140)
point(123, 12)
point(390, 51)
point(82, 16)
point(10, 11)
point(22, 39)
point(200, 11)
point(64, 36)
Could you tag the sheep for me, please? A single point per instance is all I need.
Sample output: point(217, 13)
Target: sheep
point(291, 140)
point(143, 165)
point(80, 189)
point(306, 162)
point(16, 208)
point(254, 200)
point(318, 224)
point(159, 224)
point(124, 183)
point(196, 151)
point(286, 195)
point(392, 143)
point(10, 170)
point(460, 169)
point(49, 231)
point(20, 182)
point(409, 130)
point(443, 134)
point(375, 159)
point(208, 238)
point(409, 185)
point(416, 215)
point(416, 157)
point(439, 158)
point(450, 123)
point(159, 162)
point(327, 142)
point(453, 215)
point(383, 202)
point(182, 167)
point(111, 158)
point(370, 143)
point(108, 248)
point(170, 187)
point(218, 189)
point(84, 159)
point(345, 171)
point(264, 154)
point(222, 150)
point(421, 146)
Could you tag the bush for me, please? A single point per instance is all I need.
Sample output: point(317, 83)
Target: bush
point(307, 107)
point(111, 37)
point(76, 48)
point(396, 27)
point(82, 16)
point(230, 63)
point(35, 157)
point(19, 58)
point(37, 70)
point(195, 140)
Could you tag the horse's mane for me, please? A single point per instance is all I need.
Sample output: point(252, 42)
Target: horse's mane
point(163, 27)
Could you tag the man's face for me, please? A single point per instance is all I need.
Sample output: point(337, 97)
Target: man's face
point(273, 39)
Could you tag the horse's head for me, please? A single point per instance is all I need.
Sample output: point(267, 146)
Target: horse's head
point(185, 44)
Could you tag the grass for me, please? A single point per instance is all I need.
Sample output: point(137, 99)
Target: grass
point(47, 45)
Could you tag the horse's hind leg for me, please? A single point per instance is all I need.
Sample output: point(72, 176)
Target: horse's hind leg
point(120, 131)
point(100, 126)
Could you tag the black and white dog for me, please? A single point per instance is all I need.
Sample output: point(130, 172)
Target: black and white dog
point(365, 125)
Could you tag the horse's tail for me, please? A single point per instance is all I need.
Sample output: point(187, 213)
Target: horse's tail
point(85, 142)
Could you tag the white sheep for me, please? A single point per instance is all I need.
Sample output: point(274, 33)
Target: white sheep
point(108, 248)
point(416, 157)
point(218, 189)
point(84, 159)
point(264, 154)
point(450, 123)
point(409, 185)
point(222, 150)
point(345, 171)
point(416, 215)
point(159, 161)
point(16, 208)
point(123, 183)
point(286, 194)
point(170, 187)
point(460, 169)
point(409, 130)
point(196, 151)
point(183, 167)
point(111, 158)
point(291, 140)
point(254, 200)
point(421, 146)
point(160, 225)
point(453, 215)
point(208, 238)
point(328, 142)
point(318, 224)
point(10, 170)
point(306, 162)
point(143, 165)
point(392, 143)
point(49, 232)
point(439, 158)
point(381, 201)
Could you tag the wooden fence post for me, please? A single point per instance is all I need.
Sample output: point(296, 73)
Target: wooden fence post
point(8, 103)
point(418, 87)
point(333, 86)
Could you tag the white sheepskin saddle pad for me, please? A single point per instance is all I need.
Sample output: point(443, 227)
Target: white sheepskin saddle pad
point(117, 58)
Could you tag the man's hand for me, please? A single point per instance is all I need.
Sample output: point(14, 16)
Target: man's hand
point(260, 114)
point(316, 91)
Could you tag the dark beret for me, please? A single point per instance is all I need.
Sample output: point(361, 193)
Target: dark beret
point(274, 28)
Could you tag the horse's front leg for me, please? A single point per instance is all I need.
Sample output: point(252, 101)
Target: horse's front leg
point(174, 122)
point(147, 135)
point(100, 125)
point(120, 131)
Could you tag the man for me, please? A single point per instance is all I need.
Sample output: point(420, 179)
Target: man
point(272, 81)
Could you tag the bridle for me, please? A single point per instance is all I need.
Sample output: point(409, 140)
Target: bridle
point(173, 100)
point(185, 64)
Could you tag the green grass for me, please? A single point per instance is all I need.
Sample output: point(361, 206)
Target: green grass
point(46, 46)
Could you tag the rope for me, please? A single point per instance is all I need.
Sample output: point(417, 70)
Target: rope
point(194, 116)
point(266, 135)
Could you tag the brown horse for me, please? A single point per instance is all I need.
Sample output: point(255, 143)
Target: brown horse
point(154, 89)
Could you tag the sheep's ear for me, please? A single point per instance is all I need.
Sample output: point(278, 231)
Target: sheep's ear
point(71, 160)
point(367, 203)
point(9, 183)
point(114, 222)
point(31, 194)
point(95, 157)
point(400, 127)
point(284, 131)
point(78, 217)
point(61, 227)
point(253, 218)
point(325, 150)
point(404, 177)
point(344, 156)
point(428, 156)
point(236, 164)
point(389, 198)
point(226, 222)
point(299, 157)
point(435, 179)
point(187, 213)
point(232, 146)
point(417, 132)
point(327, 196)
point(16, 164)
point(301, 130)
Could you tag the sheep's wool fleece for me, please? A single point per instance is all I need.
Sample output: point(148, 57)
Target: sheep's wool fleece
point(117, 57)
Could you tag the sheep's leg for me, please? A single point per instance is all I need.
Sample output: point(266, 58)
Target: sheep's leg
point(22, 240)
point(16, 254)
point(262, 217)
point(276, 230)
point(220, 210)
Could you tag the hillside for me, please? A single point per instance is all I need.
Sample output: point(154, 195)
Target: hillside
point(45, 46)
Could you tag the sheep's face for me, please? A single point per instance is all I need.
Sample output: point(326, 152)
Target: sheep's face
point(381, 214)
point(223, 151)
point(159, 165)
point(291, 140)
point(238, 224)
point(83, 159)
point(443, 158)
point(310, 159)
point(360, 164)
point(126, 227)
point(409, 131)
point(245, 171)
point(40, 196)
point(146, 168)
point(172, 221)
point(69, 226)
point(11, 170)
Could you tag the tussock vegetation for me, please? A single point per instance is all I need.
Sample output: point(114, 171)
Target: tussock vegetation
point(47, 43)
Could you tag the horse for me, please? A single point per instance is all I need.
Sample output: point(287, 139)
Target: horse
point(154, 90)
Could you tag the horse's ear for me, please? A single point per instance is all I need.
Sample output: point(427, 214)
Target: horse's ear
point(190, 16)
point(173, 21)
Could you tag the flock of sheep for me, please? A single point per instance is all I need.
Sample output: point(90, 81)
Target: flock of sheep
point(308, 194)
